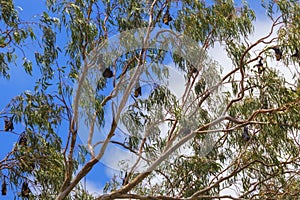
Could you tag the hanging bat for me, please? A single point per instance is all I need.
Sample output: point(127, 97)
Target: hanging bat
point(3, 188)
point(125, 179)
point(194, 70)
point(278, 53)
point(260, 67)
point(25, 190)
point(245, 135)
point(23, 140)
point(137, 91)
point(167, 18)
point(107, 73)
point(8, 124)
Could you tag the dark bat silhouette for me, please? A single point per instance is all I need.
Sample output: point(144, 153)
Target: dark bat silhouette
point(245, 135)
point(278, 53)
point(25, 190)
point(167, 18)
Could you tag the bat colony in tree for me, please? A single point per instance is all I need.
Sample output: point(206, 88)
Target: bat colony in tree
point(9, 126)
point(260, 69)
point(278, 56)
point(108, 73)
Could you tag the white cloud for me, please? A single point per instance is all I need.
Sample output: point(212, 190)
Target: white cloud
point(93, 188)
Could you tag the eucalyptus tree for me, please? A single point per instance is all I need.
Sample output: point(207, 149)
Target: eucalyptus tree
point(104, 83)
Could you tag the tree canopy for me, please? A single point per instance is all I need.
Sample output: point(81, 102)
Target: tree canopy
point(137, 77)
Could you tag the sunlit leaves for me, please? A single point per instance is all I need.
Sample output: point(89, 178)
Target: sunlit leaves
point(132, 19)
point(27, 65)
point(14, 35)
point(221, 21)
point(8, 13)
point(39, 110)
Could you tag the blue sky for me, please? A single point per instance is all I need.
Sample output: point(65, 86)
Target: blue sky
point(20, 81)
